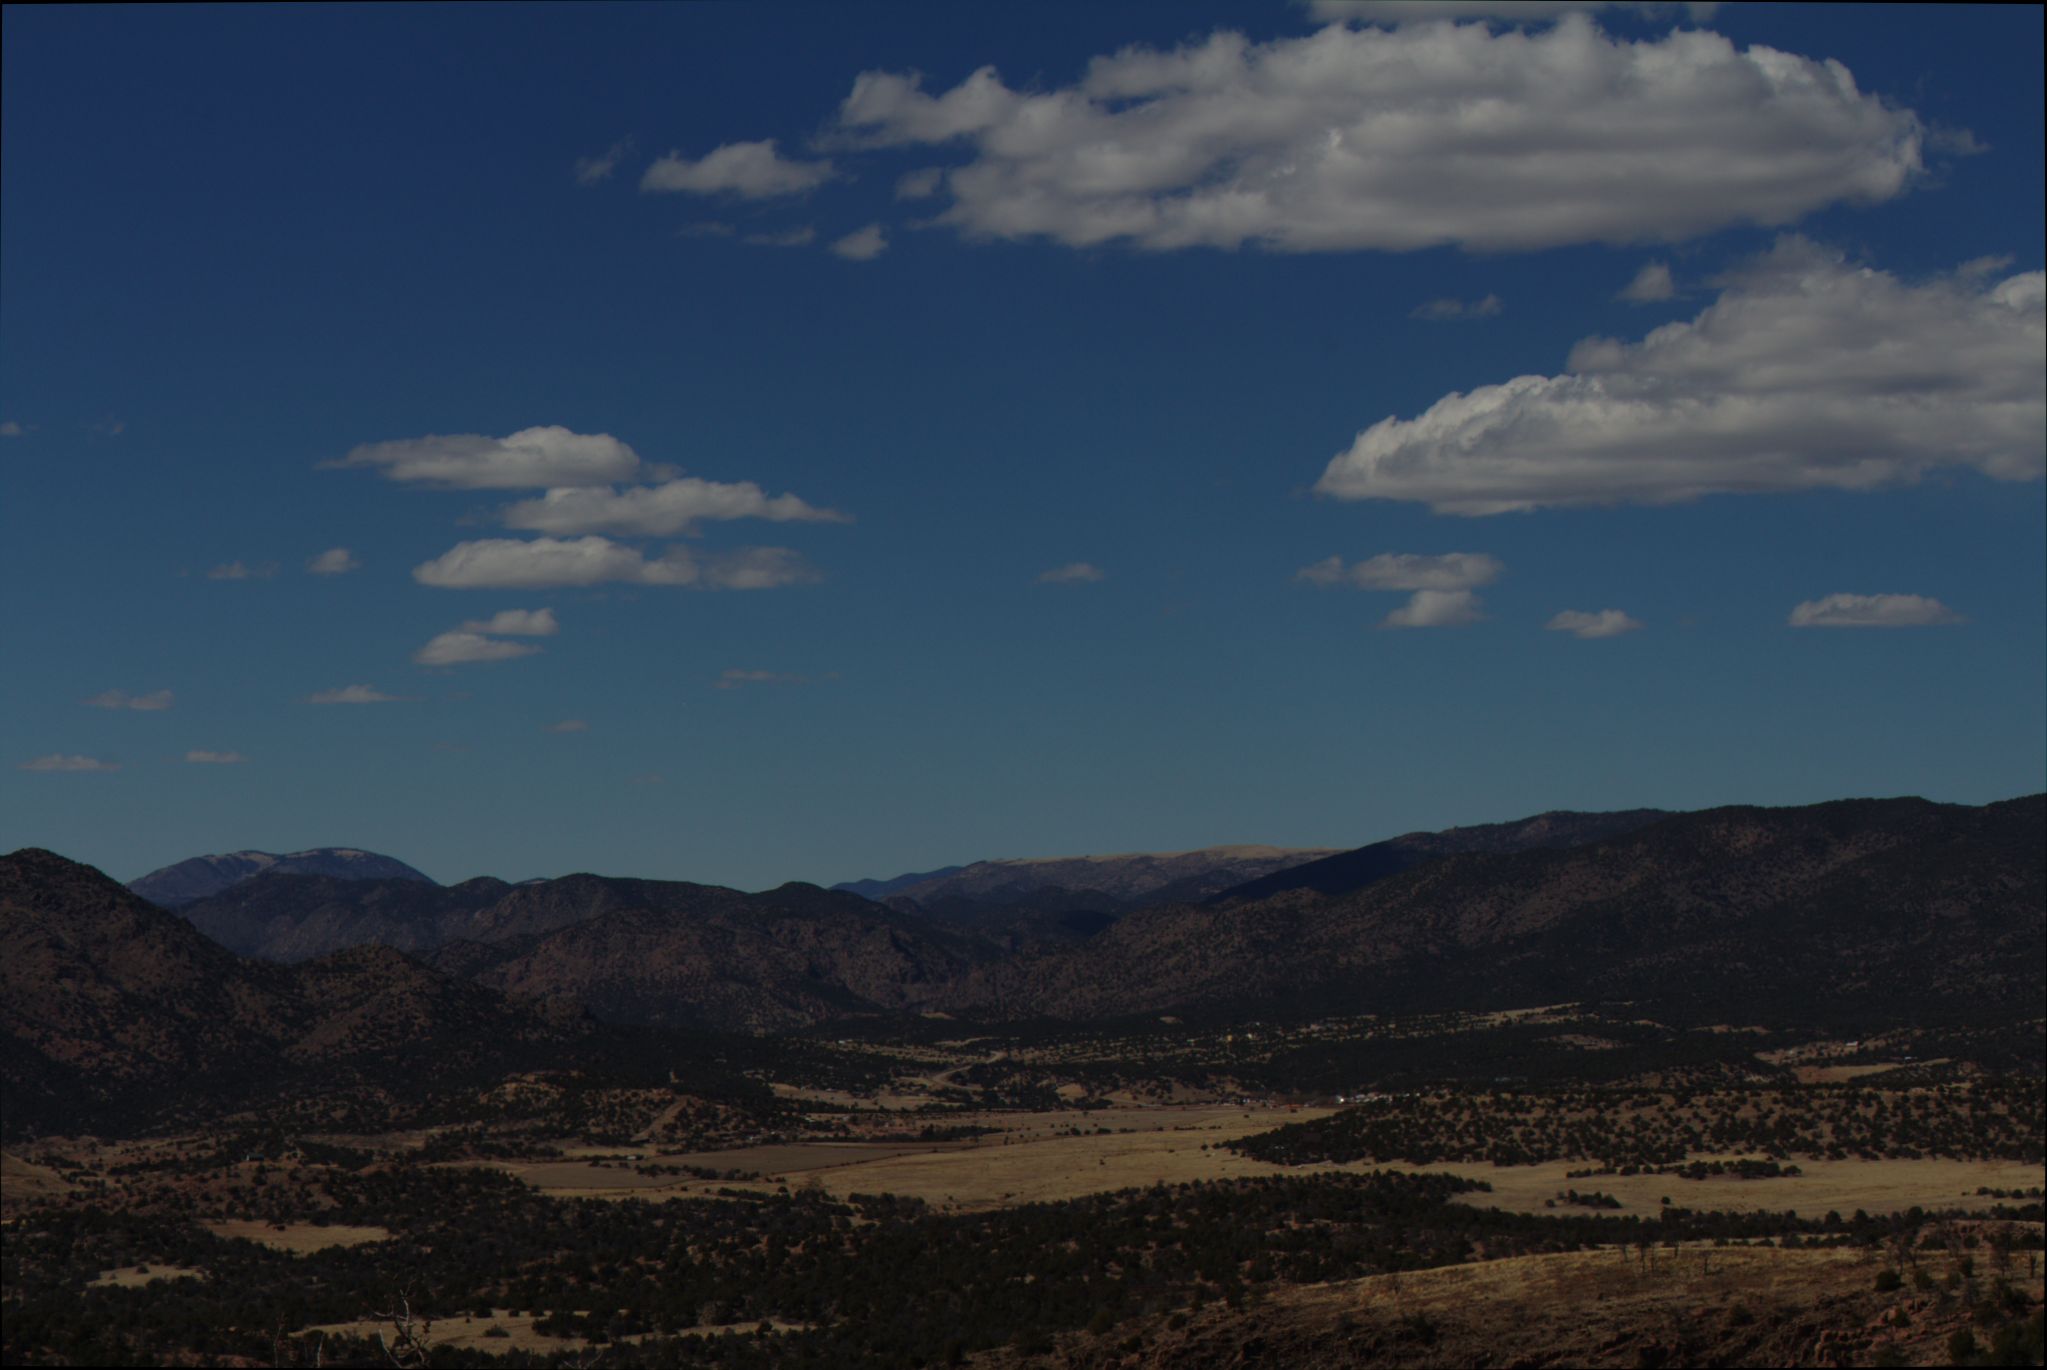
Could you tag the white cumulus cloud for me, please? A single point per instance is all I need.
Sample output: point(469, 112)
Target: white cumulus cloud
point(663, 510)
point(1605, 623)
point(1872, 611)
point(752, 171)
point(862, 244)
point(1651, 284)
point(509, 563)
point(202, 758)
point(530, 458)
point(335, 561)
point(57, 761)
point(516, 623)
point(458, 647)
point(1435, 609)
point(121, 699)
point(1404, 138)
point(1806, 373)
point(1407, 571)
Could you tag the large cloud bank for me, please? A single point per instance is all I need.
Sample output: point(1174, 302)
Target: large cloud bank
point(1807, 373)
point(1403, 138)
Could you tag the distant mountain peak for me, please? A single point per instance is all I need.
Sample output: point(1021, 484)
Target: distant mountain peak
point(202, 876)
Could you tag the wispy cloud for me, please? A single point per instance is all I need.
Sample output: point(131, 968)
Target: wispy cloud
point(1435, 609)
point(509, 563)
point(10, 429)
point(1873, 611)
point(456, 648)
point(788, 237)
point(1407, 571)
point(1605, 623)
point(733, 678)
point(120, 699)
point(592, 171)
point(356, 694)
point(200, 758)
point(335, 561)
point(237, 570)
point(1651, 284)
point(751, 171)
point(665, 510)
point(1072, 573)
point(57, 761)
point(568, 725)
point(1451, 310)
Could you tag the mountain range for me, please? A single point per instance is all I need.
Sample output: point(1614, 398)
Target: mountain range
point(1860, 911)
point(182, 883)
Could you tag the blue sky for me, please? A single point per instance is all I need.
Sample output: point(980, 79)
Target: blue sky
point(1194, 427)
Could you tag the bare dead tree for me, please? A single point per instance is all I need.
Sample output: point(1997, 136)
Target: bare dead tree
point(408, 1346)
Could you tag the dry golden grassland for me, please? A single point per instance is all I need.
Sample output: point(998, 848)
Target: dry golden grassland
point(1036, 1158)
point(297, 1237)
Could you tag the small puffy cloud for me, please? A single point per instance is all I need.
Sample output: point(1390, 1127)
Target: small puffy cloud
point(458, 647)
point(1448, 310)
point(921, 184)
point(1605, 623)
point(530, 458)
point(1807, 373)
point(673, 507)
point(1435, 609)
point(793, 237)
point(1404, 138)
point(10, 429)
point(1651, 283)
point(516, 623)
point(200, 758)
point(1873, 611)
point(335, 561)
point(236, 570)
point(592, 171)
point(121, 699)
point(512, 564)
point(568, 725)
point(1504, 11)
point(58, 762)
point(733, 678)
point(355, 694)
point(1072, 573)
point(861, 245)
point(706, 228)
point(752, 171)
point(1407, 571)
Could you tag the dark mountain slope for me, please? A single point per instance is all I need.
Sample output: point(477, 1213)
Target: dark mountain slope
point(114, 1012)
point(1897, 906)
point(692, 955)
point(1353, 870)
point(287, 917)
point(1026, 902)
point(201, 876)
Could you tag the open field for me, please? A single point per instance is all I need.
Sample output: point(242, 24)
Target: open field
point(297, 1237)
point(1037, 1158)
point(129, 1276)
